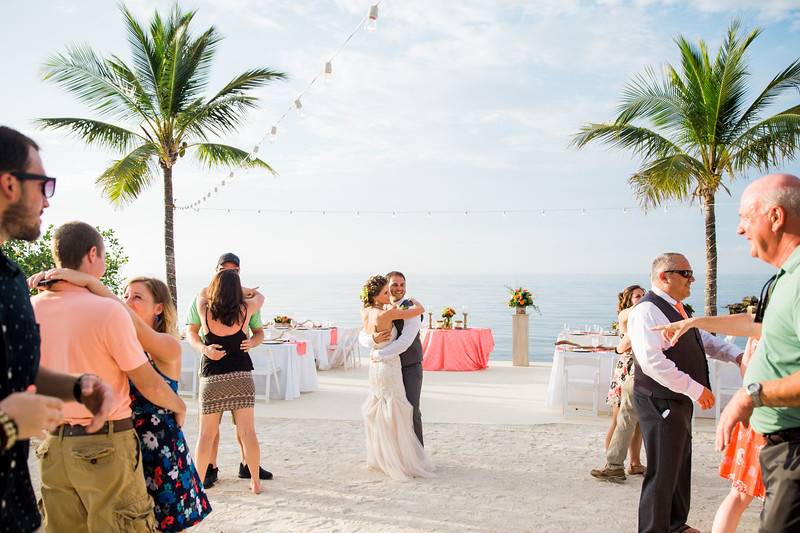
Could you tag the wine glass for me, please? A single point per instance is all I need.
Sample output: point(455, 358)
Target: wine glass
point(595, 341)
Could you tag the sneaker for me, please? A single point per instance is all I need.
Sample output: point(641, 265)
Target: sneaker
point(244, 472)
point(609, 474)
point(212, 474)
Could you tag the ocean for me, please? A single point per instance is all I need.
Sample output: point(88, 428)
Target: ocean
point(576, 300)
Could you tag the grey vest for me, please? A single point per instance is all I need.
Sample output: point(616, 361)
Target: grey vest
point(688, 355)
point(412, 356)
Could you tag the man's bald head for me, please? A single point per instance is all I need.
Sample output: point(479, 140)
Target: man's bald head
point(769, 217)
point(774, 190)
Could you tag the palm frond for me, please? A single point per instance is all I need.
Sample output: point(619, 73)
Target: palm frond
point(768, 143)
point(644, 142)
point(650, 97)
point(787, 79)
point(668, 178)
point(95, 132)
point(225, 110)
point(81, 72)
point(214, 155)
point(146, 59)
point(126, 178)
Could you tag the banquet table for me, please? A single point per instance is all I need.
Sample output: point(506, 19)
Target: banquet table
point(456, 349)
point(296, 372)
point(318, 340)
point(724, 378)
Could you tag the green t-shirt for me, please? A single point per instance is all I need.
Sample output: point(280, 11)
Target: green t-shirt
point(194, 319)
point(778, 352)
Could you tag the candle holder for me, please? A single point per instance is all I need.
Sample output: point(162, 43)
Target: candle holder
point(430, 320)
point(465, 319)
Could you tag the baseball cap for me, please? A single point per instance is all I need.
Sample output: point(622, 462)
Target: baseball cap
point(228, 258)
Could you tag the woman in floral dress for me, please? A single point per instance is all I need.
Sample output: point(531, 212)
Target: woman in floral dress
point(623, 371)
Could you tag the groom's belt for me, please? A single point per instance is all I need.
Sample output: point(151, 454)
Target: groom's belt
point(784, 435)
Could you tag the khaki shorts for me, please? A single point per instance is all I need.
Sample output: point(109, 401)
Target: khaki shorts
point(94, 483)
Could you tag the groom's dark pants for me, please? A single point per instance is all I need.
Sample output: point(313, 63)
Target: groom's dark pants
point(412, 381)
point(664, 502)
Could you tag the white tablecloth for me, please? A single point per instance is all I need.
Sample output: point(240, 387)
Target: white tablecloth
point(727, 373)
point(296, 373)
point(318, 340)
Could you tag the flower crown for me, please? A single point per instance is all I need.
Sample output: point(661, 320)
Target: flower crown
point(364, 296)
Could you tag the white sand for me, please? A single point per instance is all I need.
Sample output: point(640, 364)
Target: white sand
point(505, 463)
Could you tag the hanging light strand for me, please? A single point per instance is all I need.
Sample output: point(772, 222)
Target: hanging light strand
point(325, 72)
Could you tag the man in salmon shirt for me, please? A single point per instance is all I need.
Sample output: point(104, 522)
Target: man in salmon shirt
point(94, 480)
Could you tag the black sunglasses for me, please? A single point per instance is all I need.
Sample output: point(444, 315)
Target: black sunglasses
point(48, 183)
point(684, 273)
point(763, 300)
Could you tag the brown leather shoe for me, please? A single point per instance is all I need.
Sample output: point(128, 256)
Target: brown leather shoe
point(609, 474)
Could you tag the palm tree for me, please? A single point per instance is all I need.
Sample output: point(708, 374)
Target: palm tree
point(154, 110)
point(702, 130)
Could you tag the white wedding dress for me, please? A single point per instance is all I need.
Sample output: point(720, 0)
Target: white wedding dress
point(392, 445)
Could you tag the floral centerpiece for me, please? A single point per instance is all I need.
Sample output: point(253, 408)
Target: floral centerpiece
point(282, 320)
point(520, 299)
point(447, 314)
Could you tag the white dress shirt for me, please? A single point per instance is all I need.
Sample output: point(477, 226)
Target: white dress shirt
point(411, 327)
point(649, 346)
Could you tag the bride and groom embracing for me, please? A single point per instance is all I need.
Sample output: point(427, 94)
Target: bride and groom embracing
point(392, 418)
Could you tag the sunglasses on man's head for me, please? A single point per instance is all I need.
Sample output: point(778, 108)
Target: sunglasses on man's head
point(48, 183)
point(684, 273)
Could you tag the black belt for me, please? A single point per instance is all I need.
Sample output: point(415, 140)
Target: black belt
point(69, 430)
point(785, 435)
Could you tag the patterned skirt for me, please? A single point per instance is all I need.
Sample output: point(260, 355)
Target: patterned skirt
point(740, 464)
point(227, 392)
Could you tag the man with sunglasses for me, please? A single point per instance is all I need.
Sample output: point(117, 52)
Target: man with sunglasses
point(227, 261)
point(769, 218)
point(668, 379)
point(24, 193)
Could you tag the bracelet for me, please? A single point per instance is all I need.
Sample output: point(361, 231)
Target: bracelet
point(10, 431)
point(76, 389)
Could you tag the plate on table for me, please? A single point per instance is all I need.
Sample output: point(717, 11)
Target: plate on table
point(577, 332)
point(581, 350)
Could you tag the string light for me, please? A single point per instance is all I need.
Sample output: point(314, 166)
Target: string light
point(372, 18)
point(368, 22)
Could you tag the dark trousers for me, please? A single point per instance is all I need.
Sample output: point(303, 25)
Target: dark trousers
point(780, 470)
point(412, 381)
point(666, 489)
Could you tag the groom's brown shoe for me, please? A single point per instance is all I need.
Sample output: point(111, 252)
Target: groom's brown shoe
point(609, 474)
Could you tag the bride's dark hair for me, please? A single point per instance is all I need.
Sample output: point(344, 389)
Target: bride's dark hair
point(371, 289)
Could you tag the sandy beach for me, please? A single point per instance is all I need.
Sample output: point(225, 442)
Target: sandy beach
point(505, 463)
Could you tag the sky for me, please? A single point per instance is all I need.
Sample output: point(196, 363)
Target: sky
point(459, 106)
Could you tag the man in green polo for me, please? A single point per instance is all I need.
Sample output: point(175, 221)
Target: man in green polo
point(770, 399)
point(194, 335)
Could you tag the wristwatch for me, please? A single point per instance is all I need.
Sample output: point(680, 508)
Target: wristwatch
point(754, 391)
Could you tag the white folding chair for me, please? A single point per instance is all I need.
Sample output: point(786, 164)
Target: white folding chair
point(264, 366)
point(719, 390)
point(190, 371)
point(581, 372)
point(352, 349)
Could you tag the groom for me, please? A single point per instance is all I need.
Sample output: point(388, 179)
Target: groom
point(407, 346)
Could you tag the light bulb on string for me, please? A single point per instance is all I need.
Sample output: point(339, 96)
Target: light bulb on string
point(291, 212)
point(372, 19)
point(583, 212)
point(505, 214)
point(429, 213)
point(298, 105)
point(543, 213)
point(466, 213)
point(394, 214)
point(273, 134)
point(252, 155)
point(329, 72)
point(625, 211)
point(323, 213)
point(230, 175)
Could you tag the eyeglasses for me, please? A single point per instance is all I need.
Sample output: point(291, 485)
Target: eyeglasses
point(684, 273)
point(763, 300)
point(48, 183)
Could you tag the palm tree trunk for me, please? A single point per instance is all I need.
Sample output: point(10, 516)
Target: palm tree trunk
point(169, 234)
point(711, 253)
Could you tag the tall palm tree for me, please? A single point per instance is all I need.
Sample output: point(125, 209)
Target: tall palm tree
point(155, 109)
point(702, 130)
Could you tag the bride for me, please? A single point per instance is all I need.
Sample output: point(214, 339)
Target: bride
point(392, 445)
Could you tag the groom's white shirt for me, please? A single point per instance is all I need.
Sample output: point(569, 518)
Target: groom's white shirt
point(411, 327)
